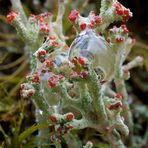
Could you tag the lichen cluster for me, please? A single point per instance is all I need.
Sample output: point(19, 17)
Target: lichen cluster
point(78, 76)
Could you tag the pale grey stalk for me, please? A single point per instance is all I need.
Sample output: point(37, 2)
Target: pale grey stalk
point(16, 4)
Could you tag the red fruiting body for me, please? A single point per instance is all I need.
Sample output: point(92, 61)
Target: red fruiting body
point(118, 8)
point(115, 106)
point(52, 81)
point(124, 13)
point(51, 37)
point(97, 19)
point(123, 26)
point(118, 96)
point(83, 26)
point(126, 18)
point(118, 104)
point(53, 118)
point(127, 15)
point(42, 52)
point(118, 5)
point(126, 31)
point(101, 33)
point(77, 71)
point(119, 12)
point(84, 74)
point(36, 79)
point(41, 20)
point(92, 22)
point(119, 40)
point(30, 93)
point(74, 60)
point(69, 127)
point(44, 26)
point(11, 16)
point(43, 71)
point(110, 31)
point(73, 15)
point(49, 64)
point(81, 60)
point(44, 29)
point(55, 43)
point(108, 40)
point(69, 116)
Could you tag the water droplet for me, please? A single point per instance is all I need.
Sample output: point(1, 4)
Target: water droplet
point(40, 112)
point(97, 51)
